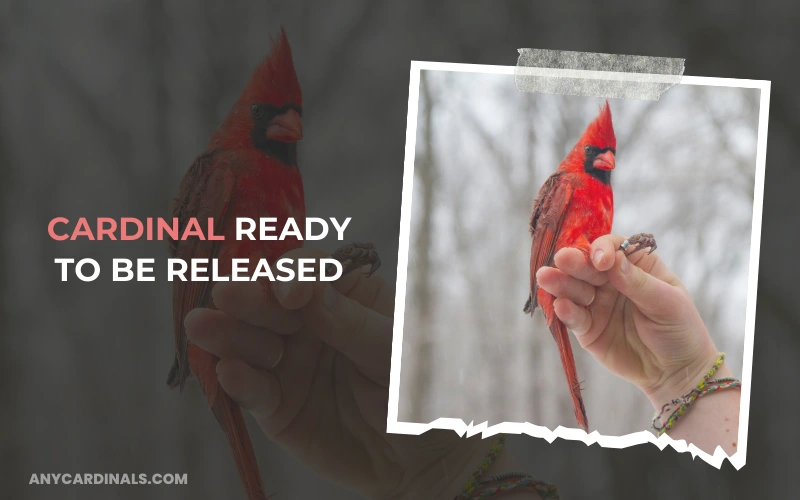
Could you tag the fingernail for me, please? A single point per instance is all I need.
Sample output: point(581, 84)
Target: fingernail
point(625, 265)
point(330, 298)
point(598, 256)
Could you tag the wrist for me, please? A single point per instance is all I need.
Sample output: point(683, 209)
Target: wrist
point(682, 380)
point(494, 460)
point(505, 463)
point(446, 476)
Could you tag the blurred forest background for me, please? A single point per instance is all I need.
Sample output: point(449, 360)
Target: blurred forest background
point(104, 105)
point(685, 172)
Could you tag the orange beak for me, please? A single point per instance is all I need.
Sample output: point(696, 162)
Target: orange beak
point(604, 161)
point(286, 127)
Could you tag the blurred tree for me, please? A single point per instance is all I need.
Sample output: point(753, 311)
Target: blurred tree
point(422, 367)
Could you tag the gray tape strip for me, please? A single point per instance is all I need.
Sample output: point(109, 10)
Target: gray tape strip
point(594, 74)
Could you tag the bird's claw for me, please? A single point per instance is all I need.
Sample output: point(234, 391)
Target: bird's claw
point(357, 255)
point(639, 242)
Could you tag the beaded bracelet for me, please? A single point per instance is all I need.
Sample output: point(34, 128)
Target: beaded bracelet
point(711, 386)
point(510, 480)
point(472, 482)
point(705, 386)
point(476, 489)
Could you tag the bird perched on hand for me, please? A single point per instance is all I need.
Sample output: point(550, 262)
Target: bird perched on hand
point(574, 207)
point(249, 169)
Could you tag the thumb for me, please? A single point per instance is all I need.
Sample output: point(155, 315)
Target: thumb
point(360, 333)
point(651, 295)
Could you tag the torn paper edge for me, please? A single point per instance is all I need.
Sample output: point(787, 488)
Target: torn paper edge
point(615, 76)
point(738, 459)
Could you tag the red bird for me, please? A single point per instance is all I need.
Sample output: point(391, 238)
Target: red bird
point(574, 207)
point(249, 169)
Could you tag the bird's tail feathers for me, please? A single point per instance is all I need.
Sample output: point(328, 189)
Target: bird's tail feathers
point(561, 336)
point(230, 418)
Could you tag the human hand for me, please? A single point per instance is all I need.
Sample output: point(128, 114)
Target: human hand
point(633, 315)
point(310, 361)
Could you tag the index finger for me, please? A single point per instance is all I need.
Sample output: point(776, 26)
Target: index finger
point(274, 306)
point(608, 246)
point(360, 333)
point(251, 303)
point(604, 249)
point(601, 258)
point(573, 262)
point(372, 291)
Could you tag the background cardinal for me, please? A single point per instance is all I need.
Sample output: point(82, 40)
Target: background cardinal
point(249, 169)
point(574, 207)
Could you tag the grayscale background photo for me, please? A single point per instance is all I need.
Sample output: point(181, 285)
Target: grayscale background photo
point(685, 171)
point(104, 106)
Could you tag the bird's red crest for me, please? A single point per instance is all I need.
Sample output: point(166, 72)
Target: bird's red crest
point(274, 81)
point(600, 132)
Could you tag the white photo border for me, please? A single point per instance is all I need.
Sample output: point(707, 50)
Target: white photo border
point(738, 459)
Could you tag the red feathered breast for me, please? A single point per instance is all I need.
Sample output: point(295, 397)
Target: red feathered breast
point(264, 188)
point(590, 212)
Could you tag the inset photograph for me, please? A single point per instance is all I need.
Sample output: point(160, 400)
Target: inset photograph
point(579, 262)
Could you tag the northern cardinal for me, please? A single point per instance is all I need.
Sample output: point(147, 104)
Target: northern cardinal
point(574, 207)
point(249, 169)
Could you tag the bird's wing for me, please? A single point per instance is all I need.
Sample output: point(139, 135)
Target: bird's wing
point(548, 214)
point(205, 192)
